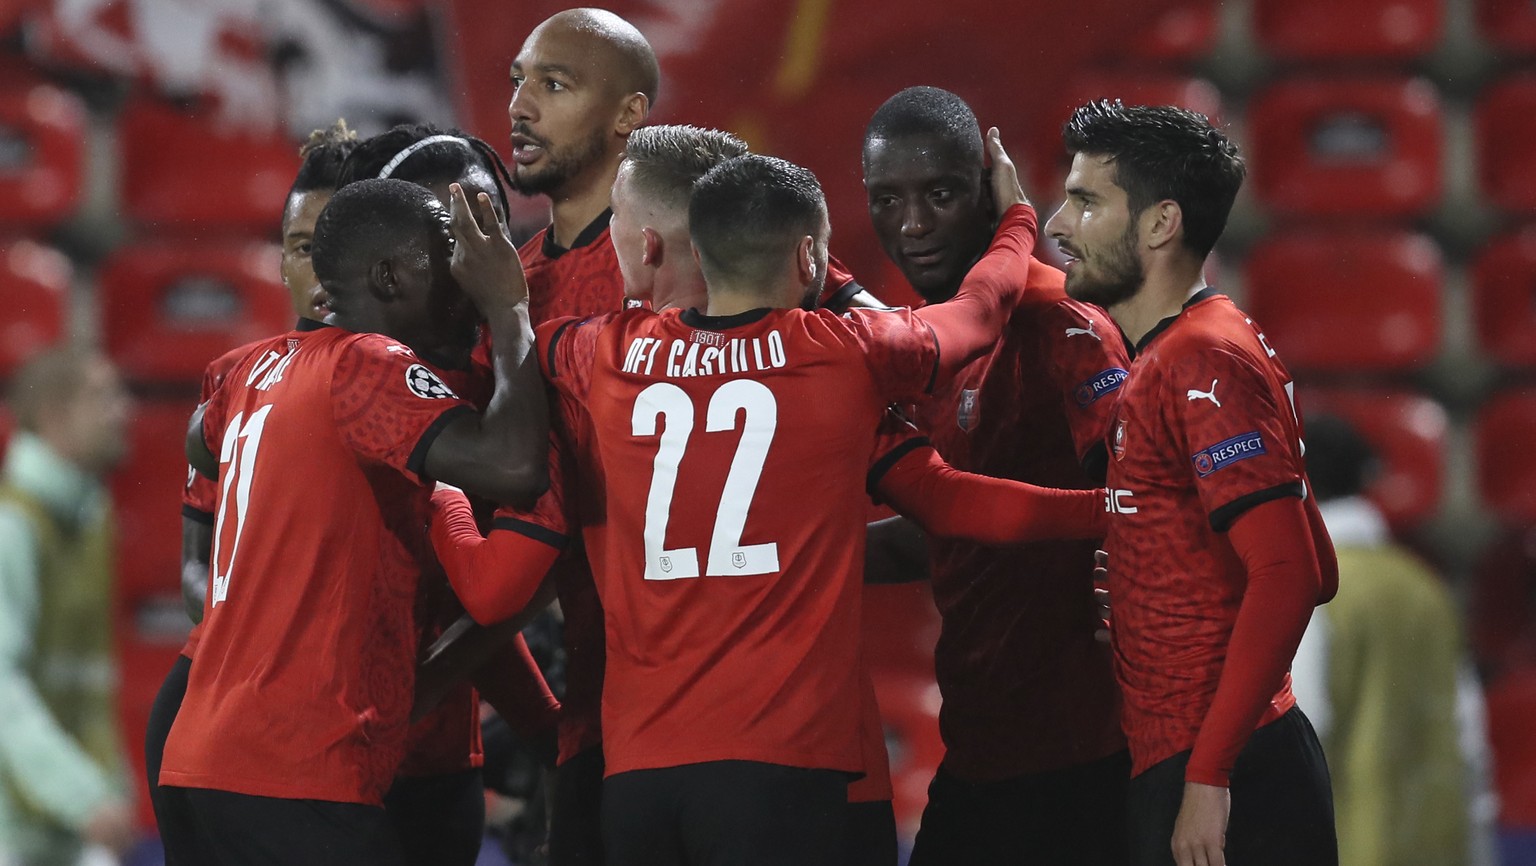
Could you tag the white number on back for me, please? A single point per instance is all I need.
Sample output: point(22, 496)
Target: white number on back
point(236, 466)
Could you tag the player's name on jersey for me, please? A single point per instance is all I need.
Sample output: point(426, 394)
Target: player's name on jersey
point(704, 353)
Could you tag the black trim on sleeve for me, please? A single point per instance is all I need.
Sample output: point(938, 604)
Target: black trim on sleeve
point(554, 340)
point(889, 459)
point(532, 530)
point(838, 302)
point(417, 462)
point(938, 354)
point(1096, 463)
point(1223, 517)
point(196, 515)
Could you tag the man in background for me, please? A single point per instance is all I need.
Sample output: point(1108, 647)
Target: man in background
point(62, 778)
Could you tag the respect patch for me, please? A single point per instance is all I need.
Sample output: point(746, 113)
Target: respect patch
point(1228, 451)
point(1104, 382)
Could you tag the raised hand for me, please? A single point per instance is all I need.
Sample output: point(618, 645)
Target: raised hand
point(1006, 189)
point(484, 262)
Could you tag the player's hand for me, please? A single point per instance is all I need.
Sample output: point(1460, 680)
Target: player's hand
point(1006, 189)
point(1101, 594)
point(484, 262)
point(111, 826)
point(1200, 833)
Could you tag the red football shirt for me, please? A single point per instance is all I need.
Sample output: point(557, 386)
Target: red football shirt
point(731, 563)
point(1026, 687)
point(302, 684)
point(1205, 429)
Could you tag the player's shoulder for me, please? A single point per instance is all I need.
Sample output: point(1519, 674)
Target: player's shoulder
point(531, 253)
point(1213, 332)
point(219, 367)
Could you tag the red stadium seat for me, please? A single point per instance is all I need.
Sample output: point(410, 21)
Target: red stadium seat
point(1505, 120)
point(1049, 160)
point(1506, 464)
point(170, 308)
point(909, 708)
point(183, 170)
point(147, 494)
point(1509, 24)
point(1358, 29)
point(34, 293)
point(42, 151)
point(1407, 432)
point(1501, 610)
point(1504, 298)
point(1333, 147)
point(1354, 299)
point(1511, 706)
point(1183, 33)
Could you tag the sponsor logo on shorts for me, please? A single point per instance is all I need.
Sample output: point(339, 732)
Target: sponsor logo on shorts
point(1228, 451)
point(1103, 382)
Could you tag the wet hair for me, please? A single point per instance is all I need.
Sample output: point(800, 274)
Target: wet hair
point(928, 111)
point(1339, 461)
point(369, 221)
point(448, 157)
point(322, 156)
point(746, 214)
point(1163, 152)
point(52, 377)
point(666, 161)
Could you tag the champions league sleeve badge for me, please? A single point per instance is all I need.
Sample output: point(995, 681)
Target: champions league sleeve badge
point(425, 384)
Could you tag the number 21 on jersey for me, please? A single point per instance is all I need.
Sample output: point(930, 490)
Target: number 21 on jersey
point(237, 462)
point(671, 406)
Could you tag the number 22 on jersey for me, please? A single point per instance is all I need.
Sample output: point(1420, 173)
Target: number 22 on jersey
point(671, 406)
point(237, 463)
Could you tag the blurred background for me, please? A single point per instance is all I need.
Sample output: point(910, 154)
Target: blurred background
point(1386, 239)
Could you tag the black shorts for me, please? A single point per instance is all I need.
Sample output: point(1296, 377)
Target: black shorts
point(725, 813)
point(1071, 816)
point(869, 834)
point(575, 811)
point(245, 830)
point(1282, 802)
point(440, 820)
point(173, 814)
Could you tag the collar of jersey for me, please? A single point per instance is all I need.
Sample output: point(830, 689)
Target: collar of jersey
point(437, 361)
point(589, 234)
point(697, 319)
point(310, 325)
point(1204, 294)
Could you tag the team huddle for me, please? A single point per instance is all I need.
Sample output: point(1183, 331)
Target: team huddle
point(675, 411)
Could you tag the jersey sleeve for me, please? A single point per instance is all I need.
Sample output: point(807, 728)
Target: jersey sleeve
point(389, 406)
point(839, 287)
point(200, 494)
point(900, 350)
point(1238, 431)
point(1087, 362)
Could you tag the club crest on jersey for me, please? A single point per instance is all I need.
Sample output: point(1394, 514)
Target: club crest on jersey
point(1103, 382)
point(1118, 445)
point(425, 384)
point(965, 413)
point(1228, 451)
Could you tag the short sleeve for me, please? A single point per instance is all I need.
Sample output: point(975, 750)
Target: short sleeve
point(1087, 360)
point(900, 350)
point(567, 349)
point(388, 405)
point(1238, 430)
point(200, 494)
point(547, 521)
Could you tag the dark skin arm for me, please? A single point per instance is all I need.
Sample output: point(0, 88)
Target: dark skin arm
point(203, 460)
point(501, 454)
point(895, 551)
point(196, 553)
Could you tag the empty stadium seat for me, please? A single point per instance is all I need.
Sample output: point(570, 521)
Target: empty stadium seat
point(1511, 706)
point(1049, 161)
point(1506, 462)
point(1504, 298)
point(1407, 432)
point(1183, 33)
point(1333, 147)
point(1501, 609)
point(170, 308)
point(185, 170)
point(1505, 121)
point(1359, 29)
point(1509, 24)
point(34, 293)
point(147, 493)
point(42, 150)
point(1357, 299)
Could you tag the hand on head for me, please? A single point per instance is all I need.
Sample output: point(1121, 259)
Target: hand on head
point(484, 262)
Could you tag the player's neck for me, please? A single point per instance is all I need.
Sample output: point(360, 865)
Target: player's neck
point(1162, 295)
point(731, 301)
point(679, 290)
point(579, 202)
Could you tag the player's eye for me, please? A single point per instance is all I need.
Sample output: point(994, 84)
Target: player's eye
point(304, 249)
point(553, 86)
point(941, 195)
point(885, 201)
point(517, 81)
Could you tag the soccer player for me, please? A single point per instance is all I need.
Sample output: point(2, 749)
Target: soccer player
point(1034, 764)
point(1217, 551)
point(296, 711)
point(731, 704)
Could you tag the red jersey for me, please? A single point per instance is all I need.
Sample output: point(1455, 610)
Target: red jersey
point(733, 626)
point(303, 680)
point(581, 281)
point(1205, 429)
point(1026, 687)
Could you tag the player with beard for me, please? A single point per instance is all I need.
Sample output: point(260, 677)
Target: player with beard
point(296, 710)
point(1034, 762)
point(1218, 551)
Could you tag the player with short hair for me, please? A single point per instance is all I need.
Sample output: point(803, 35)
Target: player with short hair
point(1034, 761)
point(1218, 554)
point(297, 707)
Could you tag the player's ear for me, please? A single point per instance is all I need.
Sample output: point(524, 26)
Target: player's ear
point(384, 280)
point(651, 253)
point(632, 113)
point(805, 260)
point(1162, 223)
